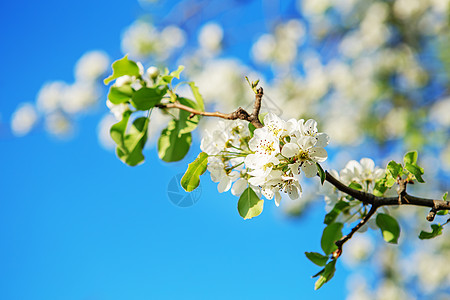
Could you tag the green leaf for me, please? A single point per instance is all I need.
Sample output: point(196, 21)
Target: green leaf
point(191, 179)
point(436, 230)
point(390, 181)
point(327, 274)
point(198, 97)
point(445, 196)
point(389, 228)
point(339, 207)
point(146, 98)
point(251, 128)
point(249, 204)
point(122, 67)
point(442, 212)
point(317, 258)
point(330, 235)
point(120, 94)
point(410, 158)
point(416, 171)
point(321, 173)
point(134, 143)
point(380, 187)
point(171, 145)
point(118, 130)
point(355, 186)
point(185, 123)
point(395, 169)
point(167, 79)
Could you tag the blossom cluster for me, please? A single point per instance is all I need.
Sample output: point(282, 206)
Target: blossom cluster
point(270, 160)
point(361, 175)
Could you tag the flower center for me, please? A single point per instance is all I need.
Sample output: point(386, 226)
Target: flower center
point(266, 147)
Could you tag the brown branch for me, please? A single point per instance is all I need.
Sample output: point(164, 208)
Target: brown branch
point(345, 238)
point(239, 113)
point(405, 198)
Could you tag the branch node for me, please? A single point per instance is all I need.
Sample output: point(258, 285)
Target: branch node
point(431, 214)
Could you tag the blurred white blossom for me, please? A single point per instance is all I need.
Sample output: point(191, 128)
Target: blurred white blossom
point(23, 119)
point(210, 37)
point(91, 66)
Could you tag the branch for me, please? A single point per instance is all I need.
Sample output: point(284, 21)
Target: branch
point(239, 113)
point(403, 198)
point(345, 238)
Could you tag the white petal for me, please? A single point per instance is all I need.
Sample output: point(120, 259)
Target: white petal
point(268, 193)
point(292, 127)
point(310, 127)
point(306, 142)
point(318, 154)
point(379, 173)
point(239, 187)
point(224, 184)
point(322, 140)
point(290, 149)
point(295, 168)
point(309, 168)
point(277, 198)
point(367, 164)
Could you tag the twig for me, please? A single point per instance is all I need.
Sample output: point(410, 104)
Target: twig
point(345, 238)
point(405, 199)
point(239, 113)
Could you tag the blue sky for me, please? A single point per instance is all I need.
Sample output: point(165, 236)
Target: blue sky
point(76, 223)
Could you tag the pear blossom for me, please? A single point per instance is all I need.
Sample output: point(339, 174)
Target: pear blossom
point(270, 161)
point(265, 146)
point(304, 152)
point(363, 172)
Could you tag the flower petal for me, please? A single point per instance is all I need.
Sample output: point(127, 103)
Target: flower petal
point(224, 184)
point(239, 187)
point(309, 168)
point(290, 149)
point(322, 140)
point(277, 198)
point(318, 154)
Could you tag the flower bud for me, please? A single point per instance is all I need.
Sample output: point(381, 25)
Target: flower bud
point(153, 72)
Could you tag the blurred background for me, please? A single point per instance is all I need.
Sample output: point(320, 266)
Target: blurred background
point(76, 223)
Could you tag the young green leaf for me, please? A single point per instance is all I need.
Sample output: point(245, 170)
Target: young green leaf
point(197, 96)
point(410, 158)
point(355, 186)
point(120, 94)
point(122, 67)
point(118, 130)
point(445, 196)
point(436, 229)
point(390, 181)
point(134, 143)
point(249, 204)
point(416, 171)
point(191, 179)
point(326, 275)
point(321, 173)
point(389, 228)
point(334, 213)
point(186, 123)
point(330, 235)
point(317, 258)
point(251, 128)
point(380, 187)
point(171, 145)
point(167, 79)
point(395, 169)
point(146, 98)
